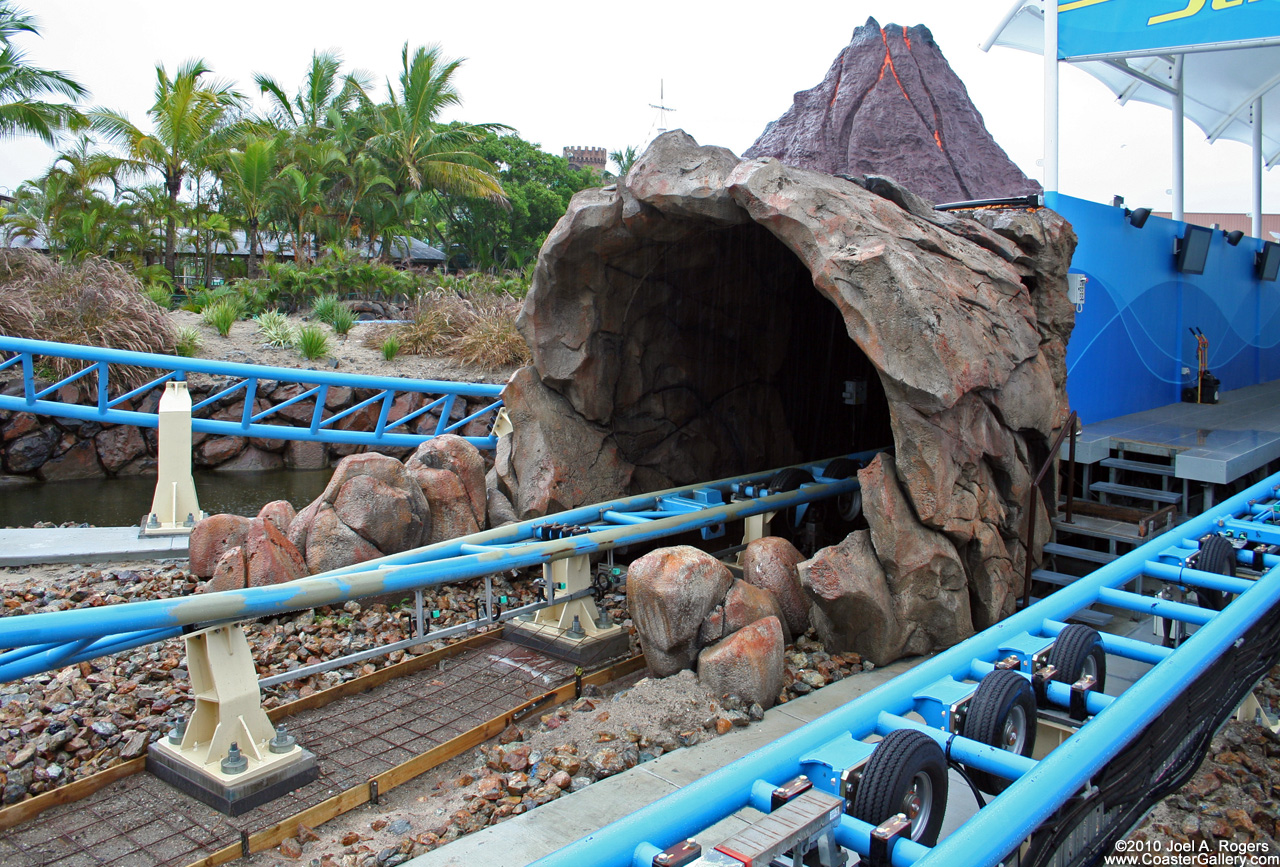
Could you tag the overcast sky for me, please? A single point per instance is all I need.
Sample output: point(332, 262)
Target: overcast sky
point(586, 74)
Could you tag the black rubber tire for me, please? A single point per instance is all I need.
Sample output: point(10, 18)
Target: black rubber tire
point(891, 774)
point(1001, 695)
point(848, 506)
point(1076, 646)
point(841, 468)
point(1218, 556)
point(789, 479)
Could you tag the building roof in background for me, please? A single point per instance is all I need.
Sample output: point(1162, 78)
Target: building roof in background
point(419, 251)
point(1231, 222)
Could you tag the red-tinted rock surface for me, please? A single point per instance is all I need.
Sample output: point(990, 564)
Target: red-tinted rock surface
point(78, 462)
point(451, 508)
point(211, 538)
point(455, 454)
point(891, 105)
point(279, 512)
point(229, 573)
point(270, 558)
point(743, 604)
point(372, 506)
point(669, 592)
point(118, 445)
point(747, 664)
point(852, 608)
point(770, 563)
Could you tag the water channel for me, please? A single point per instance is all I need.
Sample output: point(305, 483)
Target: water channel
point(122, 502)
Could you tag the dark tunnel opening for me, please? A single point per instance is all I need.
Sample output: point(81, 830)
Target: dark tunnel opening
point(743, 362)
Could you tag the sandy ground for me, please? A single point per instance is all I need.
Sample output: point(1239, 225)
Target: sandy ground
point(245, 345)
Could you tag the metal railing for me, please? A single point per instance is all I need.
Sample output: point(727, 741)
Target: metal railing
point(242, 381)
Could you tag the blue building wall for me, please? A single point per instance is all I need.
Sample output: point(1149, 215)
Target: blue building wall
point(1132, 337)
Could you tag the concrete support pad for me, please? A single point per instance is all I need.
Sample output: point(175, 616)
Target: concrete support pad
point(232, 796)
point(86, 545)
point(590, 652)
point(526, 838)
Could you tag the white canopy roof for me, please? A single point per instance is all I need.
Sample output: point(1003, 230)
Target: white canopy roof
point(1226, 56)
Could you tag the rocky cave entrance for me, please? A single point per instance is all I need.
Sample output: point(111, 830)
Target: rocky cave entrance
point(700, 319)
point(743, 363)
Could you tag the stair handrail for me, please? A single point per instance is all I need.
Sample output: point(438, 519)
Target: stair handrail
point(1070, 428)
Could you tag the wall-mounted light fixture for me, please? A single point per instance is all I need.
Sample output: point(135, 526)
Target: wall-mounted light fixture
point(1233, 238)
point(1137, 217)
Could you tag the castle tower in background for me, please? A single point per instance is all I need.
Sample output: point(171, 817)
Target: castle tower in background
point(587, 158)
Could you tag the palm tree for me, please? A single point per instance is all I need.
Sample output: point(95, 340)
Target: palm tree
point(23, 87)
point(420, 154)
point(323, 90)
point(187, 111)
point(249, 175)
point(625, 159)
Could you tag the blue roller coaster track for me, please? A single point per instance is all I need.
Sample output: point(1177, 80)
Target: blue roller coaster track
point(1121, 753)
point(241, 382)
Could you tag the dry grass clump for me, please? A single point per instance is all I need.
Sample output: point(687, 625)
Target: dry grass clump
point(490, 339)
point(474, 331)
point(94, 303)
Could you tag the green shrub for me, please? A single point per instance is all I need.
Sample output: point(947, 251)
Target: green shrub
point(325, 307)
point(159, 294)
point(189, 341)
point(312, 342)
point(342, 318)
point(222, 314)
point(205, 297)
point(275, 328)
point(390, 347)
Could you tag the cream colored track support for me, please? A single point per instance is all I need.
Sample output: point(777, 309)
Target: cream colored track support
point(228, 712)
point(754, 527)
point(564, 577)
point(228, 708)
point(174, 508)
point(1251, 711)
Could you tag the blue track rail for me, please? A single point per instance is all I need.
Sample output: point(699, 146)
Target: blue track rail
point(241, 381)
point(41, 642)
point(1066, 808)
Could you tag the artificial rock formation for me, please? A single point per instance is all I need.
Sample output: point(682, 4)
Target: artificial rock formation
point(372, 506)
point(891, 105)
point(689, 611)
point(699, 320)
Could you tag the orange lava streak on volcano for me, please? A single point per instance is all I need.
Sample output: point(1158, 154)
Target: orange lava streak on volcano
point(888, 64)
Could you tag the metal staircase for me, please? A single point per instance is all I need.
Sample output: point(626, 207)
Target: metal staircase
point(1112, 517)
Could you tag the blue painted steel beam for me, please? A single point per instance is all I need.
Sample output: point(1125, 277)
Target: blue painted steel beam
point(437, 564)
point(998, 829)
point(1196, 578)
point(1057, 692)
point(228, 428)
point(105, 410)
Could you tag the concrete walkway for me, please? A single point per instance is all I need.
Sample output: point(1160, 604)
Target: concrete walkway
point(530, 836)
point(86, 545)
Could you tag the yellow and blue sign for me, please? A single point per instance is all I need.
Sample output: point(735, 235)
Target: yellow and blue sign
point(1093, 27)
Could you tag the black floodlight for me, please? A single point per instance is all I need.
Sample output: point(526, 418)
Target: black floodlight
point(1137, 217)
point(1233, 238)
point(1268, 262)
point(1193, 250)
